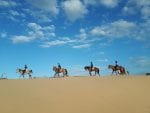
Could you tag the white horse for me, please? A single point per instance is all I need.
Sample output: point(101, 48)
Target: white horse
point(23, 72)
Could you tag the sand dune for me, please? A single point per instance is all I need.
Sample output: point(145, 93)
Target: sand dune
point(76, 95)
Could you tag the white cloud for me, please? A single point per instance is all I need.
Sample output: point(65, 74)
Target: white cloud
point(74, 9)
point(6, 3)
point(106, 3)
point(40, 16)
point(83, 34)
point(58, 42)
point(91, 2)
point(53, 43)
point(13, 18)
point(34, 26)
point(109, 3)
point(145, 11)
point(138, 6)
point(14, 13)
point(143, 30)
point(128, 10)
point(35, 31)
point(123, 29)
point(43, 18)
point(45, 5)
point(81, 46)
point(117, 29)
point(21, 39)
point(98, 31)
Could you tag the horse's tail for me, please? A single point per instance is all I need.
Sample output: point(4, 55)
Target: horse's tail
point(66, 71)
point(98, 71)
point(31, 71)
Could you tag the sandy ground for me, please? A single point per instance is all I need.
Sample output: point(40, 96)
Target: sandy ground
point(76, 95)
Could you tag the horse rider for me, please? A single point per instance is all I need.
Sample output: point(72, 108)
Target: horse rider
point(116, 66)
point(59, 66)
point(25, 68)
point(91, 65)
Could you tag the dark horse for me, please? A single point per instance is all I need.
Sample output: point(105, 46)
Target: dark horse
point(23, 72)
point(117, 70)
point(62, 70)
point(95, 69)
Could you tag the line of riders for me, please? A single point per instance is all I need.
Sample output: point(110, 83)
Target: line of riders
point(117, 69)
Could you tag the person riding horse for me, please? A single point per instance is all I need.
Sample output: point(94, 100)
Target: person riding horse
point(25, 68)
point(116, 66)
point(91, 65)
point(59, 67)
point(60, 70)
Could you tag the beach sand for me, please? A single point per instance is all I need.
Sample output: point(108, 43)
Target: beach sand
point(109, 94)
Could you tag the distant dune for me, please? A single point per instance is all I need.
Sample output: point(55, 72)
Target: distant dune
point(111, 94)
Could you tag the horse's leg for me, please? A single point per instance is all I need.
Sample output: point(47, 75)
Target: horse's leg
point(95, 73)
point(30, 76)
point(90, 73)
point(116, 72)
point(19, 76)
point(98, 73)
point(58, 74)
point(112, 72)
point(63, 74)
point(55, 74)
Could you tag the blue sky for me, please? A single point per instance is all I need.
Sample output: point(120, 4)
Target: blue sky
point(41, 33)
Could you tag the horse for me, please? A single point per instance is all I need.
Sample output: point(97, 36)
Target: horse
point(62, 70)
point(23, 72)
point(117, 70)
point(95, 69)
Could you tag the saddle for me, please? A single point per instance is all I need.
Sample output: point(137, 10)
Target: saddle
point(59, 69)
point(24, 71)
point(92, 68)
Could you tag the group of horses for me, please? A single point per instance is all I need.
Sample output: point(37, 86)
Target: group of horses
point(119, 70)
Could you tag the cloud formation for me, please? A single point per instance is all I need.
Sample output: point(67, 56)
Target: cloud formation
point(6, 3)
point(138, 6)
point(106, 3)
point(46, 5)
point(81, 46)
point(74, 9)
point(116, 29)
point(35, 31)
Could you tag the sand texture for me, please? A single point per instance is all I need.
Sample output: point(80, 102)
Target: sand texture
point(110, 94)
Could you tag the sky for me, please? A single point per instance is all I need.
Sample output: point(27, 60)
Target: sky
point(42, 33)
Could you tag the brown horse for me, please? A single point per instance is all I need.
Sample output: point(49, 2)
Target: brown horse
point(62, 70)
point(95, 69)
point(117, 70)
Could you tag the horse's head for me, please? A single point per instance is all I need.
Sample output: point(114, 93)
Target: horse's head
point(17, 70)
point(109, 66)
point(54, 68)
point(86, 67)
